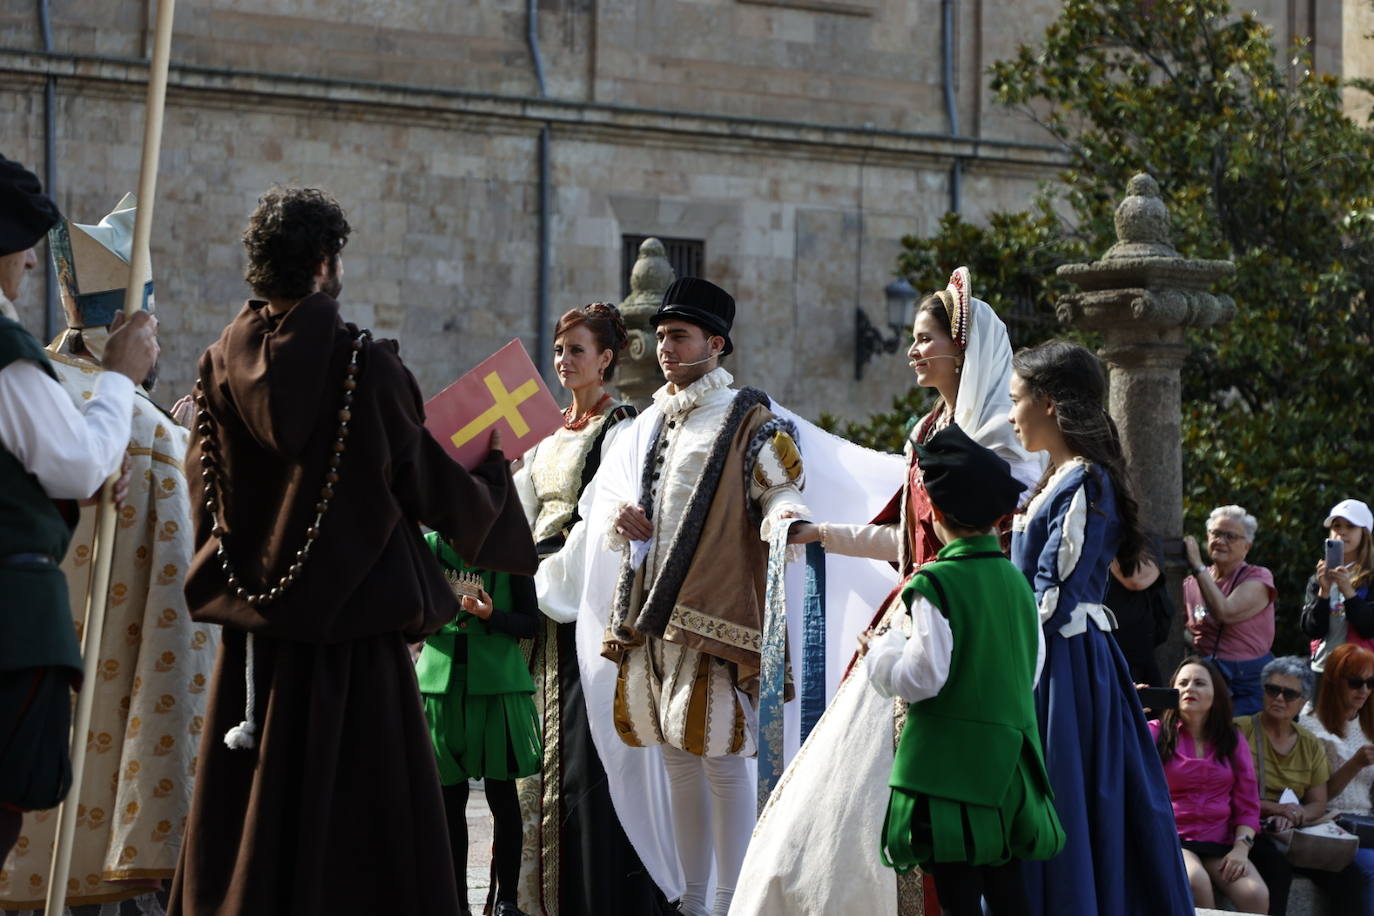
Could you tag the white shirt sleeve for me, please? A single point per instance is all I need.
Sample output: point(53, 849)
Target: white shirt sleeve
point(70, 451)
point(914, 669)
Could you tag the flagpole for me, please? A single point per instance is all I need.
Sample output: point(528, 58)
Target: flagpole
point(96, 600)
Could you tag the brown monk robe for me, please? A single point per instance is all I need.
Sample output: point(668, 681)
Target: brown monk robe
point(337, 808)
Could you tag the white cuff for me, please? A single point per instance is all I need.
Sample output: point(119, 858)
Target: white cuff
point(615, 541)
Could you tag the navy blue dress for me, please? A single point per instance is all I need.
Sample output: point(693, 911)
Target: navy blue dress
point(1121, 854)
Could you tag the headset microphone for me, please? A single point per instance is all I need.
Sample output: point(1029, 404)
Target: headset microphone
point(699, 362)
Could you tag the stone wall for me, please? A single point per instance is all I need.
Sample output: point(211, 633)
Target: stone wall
point(798, 139)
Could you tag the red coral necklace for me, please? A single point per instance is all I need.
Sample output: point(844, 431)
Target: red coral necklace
point(570, 423)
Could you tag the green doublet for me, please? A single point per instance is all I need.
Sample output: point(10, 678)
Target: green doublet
point(968, 782)
point(477, 690)
point(36, 627)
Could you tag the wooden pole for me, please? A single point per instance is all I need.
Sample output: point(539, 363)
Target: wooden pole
point(105, 521)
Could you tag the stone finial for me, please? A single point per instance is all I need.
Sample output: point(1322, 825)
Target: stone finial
point(652, 273)
point(1142, 223)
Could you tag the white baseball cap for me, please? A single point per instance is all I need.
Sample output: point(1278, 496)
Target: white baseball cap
point(1354, 512)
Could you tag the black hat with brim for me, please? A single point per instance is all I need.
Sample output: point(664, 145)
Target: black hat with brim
point(971, 484)
point(26, 213)
point(701, 303)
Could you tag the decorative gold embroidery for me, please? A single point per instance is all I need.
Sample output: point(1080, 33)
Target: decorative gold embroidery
point(701, 624)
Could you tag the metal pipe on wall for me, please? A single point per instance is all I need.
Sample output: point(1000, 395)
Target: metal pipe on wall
point(49, 169)
point(951, 108)
point(543, 345)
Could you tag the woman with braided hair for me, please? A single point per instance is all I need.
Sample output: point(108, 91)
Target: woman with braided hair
point(1122, 854)
point(576, 857)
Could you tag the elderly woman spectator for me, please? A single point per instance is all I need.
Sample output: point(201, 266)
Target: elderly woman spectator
point(1231, 605)
point(1212, 786)
point(1286, 756)
point(1338, 607)
point(1344, 722)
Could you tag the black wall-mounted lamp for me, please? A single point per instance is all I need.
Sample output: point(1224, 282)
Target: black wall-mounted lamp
point(868, 340)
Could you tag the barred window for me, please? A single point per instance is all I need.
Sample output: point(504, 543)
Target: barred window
point(687, 257)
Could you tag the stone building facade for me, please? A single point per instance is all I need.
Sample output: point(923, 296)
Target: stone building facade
point(796, 141)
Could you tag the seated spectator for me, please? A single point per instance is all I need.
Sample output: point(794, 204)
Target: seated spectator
point(1212, 786)
point(1231, 605)
point(1337, 608)
point(1286, 756)
point(1143, 611)
point(1344, 722)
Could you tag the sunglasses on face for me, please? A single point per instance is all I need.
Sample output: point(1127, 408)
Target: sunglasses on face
point(1356, 683)
point(1288, 693)
point(1227, 536)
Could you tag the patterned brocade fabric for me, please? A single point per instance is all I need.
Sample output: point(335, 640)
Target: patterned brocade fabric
point(555, 470)
point(154, 672)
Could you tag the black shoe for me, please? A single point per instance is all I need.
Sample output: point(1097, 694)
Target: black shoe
point(506, 908)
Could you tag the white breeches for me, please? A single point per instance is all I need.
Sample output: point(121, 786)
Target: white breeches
point(714, 807)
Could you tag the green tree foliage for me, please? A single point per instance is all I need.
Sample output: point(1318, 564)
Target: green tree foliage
point(1257, 163)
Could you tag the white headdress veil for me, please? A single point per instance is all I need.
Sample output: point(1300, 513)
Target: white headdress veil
point(984, 401)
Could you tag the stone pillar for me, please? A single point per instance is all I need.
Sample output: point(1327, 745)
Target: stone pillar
point(637, 375)
point(1141, 296)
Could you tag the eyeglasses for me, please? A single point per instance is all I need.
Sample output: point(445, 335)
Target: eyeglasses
point(1357, 682)
point(1228, 536)
point(1288, 693)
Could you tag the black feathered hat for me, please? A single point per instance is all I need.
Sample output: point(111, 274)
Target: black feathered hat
point(967, 482)
point(703, 304)
point(26, 213)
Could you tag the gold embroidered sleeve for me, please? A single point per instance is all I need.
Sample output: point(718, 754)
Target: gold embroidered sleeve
point(779, 463)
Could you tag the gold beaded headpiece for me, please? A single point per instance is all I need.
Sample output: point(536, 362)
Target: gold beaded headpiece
point(955, 298)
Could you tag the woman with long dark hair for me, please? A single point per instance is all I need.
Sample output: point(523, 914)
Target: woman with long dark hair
point(1122, 854)
point(1212, 786)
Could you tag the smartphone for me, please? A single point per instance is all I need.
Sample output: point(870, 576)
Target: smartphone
point(1335, 553)
point(1158, 699)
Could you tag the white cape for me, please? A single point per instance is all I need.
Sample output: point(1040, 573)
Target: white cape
point(844, 483)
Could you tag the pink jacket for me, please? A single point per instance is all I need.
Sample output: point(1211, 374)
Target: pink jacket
point(1211, 797)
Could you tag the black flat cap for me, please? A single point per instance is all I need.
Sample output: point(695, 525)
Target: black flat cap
point(26, 213)
point(703, 304)
point(966, 481)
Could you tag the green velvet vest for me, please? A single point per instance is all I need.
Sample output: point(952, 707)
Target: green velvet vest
point(965, 742)
point(35, 626)
point(494, 662)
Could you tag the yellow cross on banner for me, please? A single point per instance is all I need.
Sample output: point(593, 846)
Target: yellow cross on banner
point(504, 404)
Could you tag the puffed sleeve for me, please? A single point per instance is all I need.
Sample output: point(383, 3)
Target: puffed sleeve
point(1070, 565)
point(914, 668)
point(524, 487)
point(776, 482)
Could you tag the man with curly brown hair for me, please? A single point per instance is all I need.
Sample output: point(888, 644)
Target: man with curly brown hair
point(316, 789)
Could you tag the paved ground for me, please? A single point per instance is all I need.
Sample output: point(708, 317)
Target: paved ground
point(479, 848)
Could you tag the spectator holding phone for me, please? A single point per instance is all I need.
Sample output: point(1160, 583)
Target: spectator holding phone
point(1231, 605)
point(1212, 787)
point(1287, 757)
point(1337, 608)
point(1344, 722)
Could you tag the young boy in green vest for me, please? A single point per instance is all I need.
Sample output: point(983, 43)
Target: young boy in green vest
point(969, 794)
point(478, 699)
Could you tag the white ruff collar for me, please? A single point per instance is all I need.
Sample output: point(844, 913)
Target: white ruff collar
point(676, 404)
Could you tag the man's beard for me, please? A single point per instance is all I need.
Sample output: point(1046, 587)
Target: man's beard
point(150, 381)
point(332, 285)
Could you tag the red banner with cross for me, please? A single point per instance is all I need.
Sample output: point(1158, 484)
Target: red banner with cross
point(504, 392)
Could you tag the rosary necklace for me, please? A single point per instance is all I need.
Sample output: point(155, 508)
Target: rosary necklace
point(209, 473)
